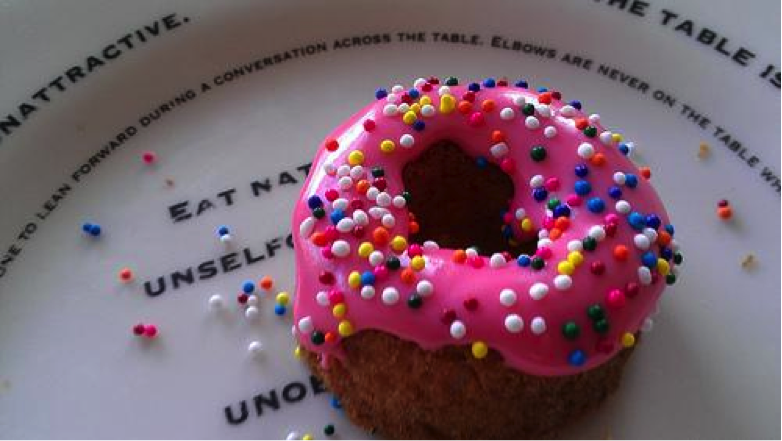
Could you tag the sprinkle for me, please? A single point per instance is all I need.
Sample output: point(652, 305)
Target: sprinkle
point(563, 282)
point(514, 323)
point(148, 157)
point(345, 328)
point(93, 230)
point(125, 275)
point(252, 313)
point(538, 153)
point(703, 151)
point(641, 242)
point(418, 263)
point(724, 211)
point(499, 150)
point(497, 260)
point(356, 157)
point(508, 297)
point(307, 437)
point(150, 331)
point(538, 325)
point(458, 330)
point(138, 329)
point(647, 325)
point(586, 150)
point(570, 330)
point(390, 295)
point(538, 291)
point(328, 430)
point(577, 358)
point(216, 301)
point(531, 123)
point(283, 298)
point(255, 348)
point(550, 132)
point(367, 292)
point(644, 275)
point(507, 114)
point(749, 261)
point(479, 349)
point(628, 340)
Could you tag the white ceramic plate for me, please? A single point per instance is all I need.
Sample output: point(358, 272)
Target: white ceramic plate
point(69, 365)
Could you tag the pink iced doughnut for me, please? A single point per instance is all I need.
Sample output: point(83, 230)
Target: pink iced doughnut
point(604, 251)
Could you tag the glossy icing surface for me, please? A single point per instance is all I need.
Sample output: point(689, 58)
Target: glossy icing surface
point(605, 246)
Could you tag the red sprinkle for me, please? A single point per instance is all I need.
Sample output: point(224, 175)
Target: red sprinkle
point(597, 267)
point(369, 125)
point(447, 316)
point(471, 304)
point(326, 278)
point(150, 331)
point(138, 329)
point(331, 195)
point(242, 298)
point(148, 157)
point(631, 289)
point(332, 144)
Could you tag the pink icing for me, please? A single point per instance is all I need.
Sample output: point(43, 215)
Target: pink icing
point(471, 290)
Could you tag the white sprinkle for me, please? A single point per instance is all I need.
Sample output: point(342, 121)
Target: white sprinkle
point(641, 242)
point(388, 221)
point(216, 301)
point(536, 181)
point(345, 225)
point(389, 110)
point(567, 111)
point(403, 108)
point(544, 242)
point(542, 234)
point(367, 292)
point(623, 207)
point(575, 245)
point(499, 150)
point(647, 325)
point(360, 217)
point(292, 435)
point(531, 123)
point(357, 172)
point(306, 227)
point(458, 330)
point(431, 245)
point(508, 297)
point(330, 169)
point(322, 297)
point(597, 232)
point(377, 212)
point(343, 170)
point(543, 110)
point(253, 300)
point(607, 138)
point(538, 291)
point(514, 323)
point(226, 238)
point(651, 234)
point(419, 83)
point(538, 325)
point(644, 275)
point(383, 199)
point(340, 248)
point(443, 90)
point(497, 260)
point(630, 148)
point(520, 213)
point(507, 114)
point(399, 202)
point(424, 288)
point(376, 258)
point(252, 313)
point(345, 182)
point(594, 118)
point(305, 325)
point(550, 132)
point(340, 204)
point(519, 100)
point(675, 245)
point(406, 140)
point(390, 295)
point(471, 252)
point(563, 282)
point(619, 178)
point(428, 110)
point(398, 88)
point(586, 150)
point(255, 348)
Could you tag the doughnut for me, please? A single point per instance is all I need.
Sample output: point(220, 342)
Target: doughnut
point(484, 228)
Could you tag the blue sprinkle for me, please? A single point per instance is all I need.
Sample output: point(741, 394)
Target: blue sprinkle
point(367, 278)
point(381, 93)
point(474, 87)
point(86, 227)
point(596, 205)
point(669, 229)
point(653, 221)
point(542, 89)
point(336, 216)
point(582, 188)
point(414, 93)
point(615, 192)
point(94, 230)
point(248, 287)
point(576, 104)
point(539, 194)
point(577, 358)
point(489, 82)
point(521, 83)
point(636, 220)
point(666, 253)
point(314, 202)
point(481, 161)
point(631, 180)
point(419, 125)
point(581, 170)
point(507, 232)
point(524, 260)
point(562, 210)
point(624, 149)
point(222, 230)
point(335, 403)
point(279, 309)
point(649, 259)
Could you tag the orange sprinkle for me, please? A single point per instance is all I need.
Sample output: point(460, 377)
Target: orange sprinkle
point(646, 172)
point(319, 239)
point(562, 223)
point(408, 276)
point(725, 213)
point(380, 236)
point(554, 234)
point(581, 123)
point(362, 186)
point(497, 136)
point(464, 107)
point(330, 337)
point(487, 105)
point(459, 256)
point(621, 252)
point(598, 160)
point(267, 283)
point(663, 238)
point(413, 227)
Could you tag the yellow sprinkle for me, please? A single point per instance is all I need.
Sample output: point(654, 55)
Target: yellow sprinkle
point(425, 100)
point(354, 279)
point(339, 310)
point(575, 257)
point(307, 437)
point(565, 267)
point(418, 263)
point(365, 249)
point(416, 108)
point(616, 137)
point(283, 298)
point(526, 224)
point(297, 351)
point(387, 146)
point(409, 117)
point(703, 151)
point(447, 104)
point(628, 340)
point(345, 328)
point(479, 349)
point(663, 267)
point(356, 157)
point(398, 244)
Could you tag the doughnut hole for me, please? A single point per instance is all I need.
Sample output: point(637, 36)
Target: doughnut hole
point(459, 204)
